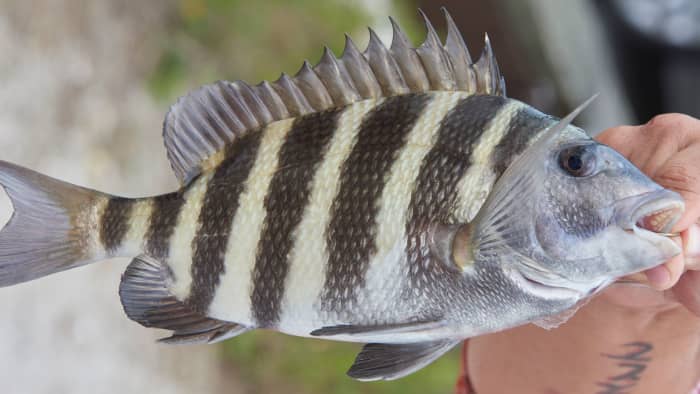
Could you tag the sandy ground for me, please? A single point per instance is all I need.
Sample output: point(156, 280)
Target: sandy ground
point(73, 105)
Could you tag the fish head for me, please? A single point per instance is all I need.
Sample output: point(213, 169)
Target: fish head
point(570, 215)
point(597, 217)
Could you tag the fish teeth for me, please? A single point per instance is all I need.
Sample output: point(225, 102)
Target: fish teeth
point(656, 221)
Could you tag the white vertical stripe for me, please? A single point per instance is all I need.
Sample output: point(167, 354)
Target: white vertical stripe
point(477, 182)
point(396, 197)
point(180, 248)
point(309, 256)
point(94, 218)
point(232, 299)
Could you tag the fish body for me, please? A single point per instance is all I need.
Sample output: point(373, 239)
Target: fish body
point(394, 197)
point(323, 224)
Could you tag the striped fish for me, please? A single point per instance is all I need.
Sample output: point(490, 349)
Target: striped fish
point(394, 197)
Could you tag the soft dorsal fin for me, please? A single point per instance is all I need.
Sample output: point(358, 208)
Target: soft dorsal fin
point(204, 121)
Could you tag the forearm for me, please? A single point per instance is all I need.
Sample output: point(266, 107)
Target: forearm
point(605, 348)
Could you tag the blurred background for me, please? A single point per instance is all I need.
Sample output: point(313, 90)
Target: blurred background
point(84, 86)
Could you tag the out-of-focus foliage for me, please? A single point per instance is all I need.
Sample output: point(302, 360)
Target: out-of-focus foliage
point(252, 40)
point(274, 363)
point(240, 39)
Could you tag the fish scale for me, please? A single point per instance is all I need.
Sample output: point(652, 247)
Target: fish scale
point(381, 135)
point(234, 290)
point(114, 222)
point(218, 209)
point(162, 223)
point(285, 200)
point(393, 197)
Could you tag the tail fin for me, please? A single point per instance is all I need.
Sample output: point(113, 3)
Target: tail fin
point(50, 229)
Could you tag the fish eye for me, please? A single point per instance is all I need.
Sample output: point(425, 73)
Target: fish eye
point(578, 161)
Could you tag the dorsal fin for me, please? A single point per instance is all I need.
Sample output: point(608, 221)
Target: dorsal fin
point(204, 121)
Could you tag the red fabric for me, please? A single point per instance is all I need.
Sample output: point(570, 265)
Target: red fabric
point(463, 384)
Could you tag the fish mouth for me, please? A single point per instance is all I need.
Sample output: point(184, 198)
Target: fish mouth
point(654, 214)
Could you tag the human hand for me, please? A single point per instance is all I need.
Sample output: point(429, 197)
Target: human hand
point(667, 149)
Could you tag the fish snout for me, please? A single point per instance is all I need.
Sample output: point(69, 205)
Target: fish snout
point(655, 212)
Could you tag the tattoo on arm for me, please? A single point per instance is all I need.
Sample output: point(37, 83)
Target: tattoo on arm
point(631, 364)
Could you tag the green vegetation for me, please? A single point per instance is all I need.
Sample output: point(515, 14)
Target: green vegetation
point(274, 363)
point(232, 39)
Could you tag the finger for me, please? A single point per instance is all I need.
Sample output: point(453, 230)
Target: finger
point(687, 291)
point(665, 276)
point(691, 246)
point(665, 135)
point(620, 138)
point(648, 156)
point(681, 173)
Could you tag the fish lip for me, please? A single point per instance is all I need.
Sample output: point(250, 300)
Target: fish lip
point(645, 209)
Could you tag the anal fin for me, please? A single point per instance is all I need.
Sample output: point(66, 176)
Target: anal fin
point(379, 361)
point(147, 300)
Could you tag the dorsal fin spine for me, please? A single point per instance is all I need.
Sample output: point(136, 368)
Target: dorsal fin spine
point(272, 100)
point(384, 66)
point(408, 60)
point(338, 82)
point(435, 59)
point(488, 74)
point(459, 53)
point(292, 97)
point(312, 88)
point(359, 71)
point(454, 43)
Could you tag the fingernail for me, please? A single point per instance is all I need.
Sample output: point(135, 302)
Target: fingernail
point(658, 277)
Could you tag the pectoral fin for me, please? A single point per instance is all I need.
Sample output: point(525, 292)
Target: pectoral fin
point(379, 361)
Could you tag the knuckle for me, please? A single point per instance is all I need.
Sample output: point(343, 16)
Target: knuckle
point(670, 120)
point(680, 178)
point(674, 129)
point(617, 136)
point(680, 125)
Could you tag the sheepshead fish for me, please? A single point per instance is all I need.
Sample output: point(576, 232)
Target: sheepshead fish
point(394, 197)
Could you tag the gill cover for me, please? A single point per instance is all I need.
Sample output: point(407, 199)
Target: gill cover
point(498, 226)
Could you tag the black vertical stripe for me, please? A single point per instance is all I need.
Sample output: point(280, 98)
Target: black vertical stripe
point(114, 223)
point(524, 126)
point(161, 225)
point(290, 188)
point(351, 233)
point(435, 194)
point(216, 217)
